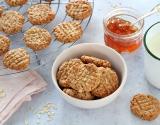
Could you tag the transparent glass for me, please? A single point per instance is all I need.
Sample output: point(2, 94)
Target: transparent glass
point(124, 43)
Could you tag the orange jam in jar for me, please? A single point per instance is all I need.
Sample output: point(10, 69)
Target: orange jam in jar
point(120, 32)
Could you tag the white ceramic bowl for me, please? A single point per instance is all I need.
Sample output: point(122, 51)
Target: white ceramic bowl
point(97, 50)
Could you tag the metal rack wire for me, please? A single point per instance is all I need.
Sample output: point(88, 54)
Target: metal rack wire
point(42, 58)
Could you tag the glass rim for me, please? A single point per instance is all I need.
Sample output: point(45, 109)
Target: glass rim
point(145, 44)
point(109, 15)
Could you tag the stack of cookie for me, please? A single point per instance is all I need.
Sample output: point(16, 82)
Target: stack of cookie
point(87, 78)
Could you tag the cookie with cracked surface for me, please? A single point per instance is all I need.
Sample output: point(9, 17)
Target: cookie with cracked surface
point(108, 83)
point(40, 14)
point(79, 95)
point(145, 107)
point(16, 3)
point(84, 78)
point(98, 62)
point(16, 59)
point(67, 32)
point(11, 22)
point(79, 10)
point(37, 38)
point(65, 69)
point(4, 44)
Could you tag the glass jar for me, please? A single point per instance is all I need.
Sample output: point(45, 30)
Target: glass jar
point(120, 41)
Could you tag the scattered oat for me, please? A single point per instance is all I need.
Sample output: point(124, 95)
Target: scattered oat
point(2, 93)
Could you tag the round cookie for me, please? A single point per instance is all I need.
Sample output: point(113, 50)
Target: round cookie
point(84, 78)
point(65, 69)
point(37, 38)
point(145, 107)
point(67, 32)
point(15, 3)
point(4, 44)
point(40, 14)
point(11, 22)
point(98, 62)
point(79, 95)
point(16, 59)
point(108, 83)
point(79, 10)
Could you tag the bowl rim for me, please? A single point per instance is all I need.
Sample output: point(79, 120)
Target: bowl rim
point(123, 81)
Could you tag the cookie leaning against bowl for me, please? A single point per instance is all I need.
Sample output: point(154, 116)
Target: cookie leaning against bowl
point(98, 62)
point(145, 107)
point(109, 83)
point(37, 38)
point(84, 78)
point(16, 59)
point(67, 32)
point(11, 22)
point(4, 44)
point(65, 69)
point(79, 95)
point(40, 14)
point(15, 3)
point(79, 9)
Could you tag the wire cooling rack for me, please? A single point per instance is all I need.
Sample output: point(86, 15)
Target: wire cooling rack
point(41, 58)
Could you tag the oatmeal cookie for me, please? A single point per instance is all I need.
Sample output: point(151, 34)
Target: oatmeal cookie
point(79, 95)
point(98, 62)
point(15, 3)
point(79, 10)
point(145, 107)
point(37, 38)
point(1, 10)
point(4, 44)
point(40, 14)
point(16, 59)
point(65, 69)
point(67, 32)
point(84, 78)
point(11, 22)
point(108, 83)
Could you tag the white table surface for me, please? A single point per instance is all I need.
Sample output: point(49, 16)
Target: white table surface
point(116, 113)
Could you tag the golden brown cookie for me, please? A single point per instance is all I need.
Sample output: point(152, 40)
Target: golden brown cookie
point(98, 62)
point(4, 44)
point(37, 38)
point(11, 22)
point(86, 78)
point(65, 69)
point(108, 82)
point(16, 2)
point(40, 14)
point(79, 95)
point(1, 10)
point(67, 32)
point(79, 9)
point(145, 107)
point(16, 59)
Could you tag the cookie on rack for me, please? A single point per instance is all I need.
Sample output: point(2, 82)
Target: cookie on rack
point(98, 62)
point(67, 32)
point(109, 82)
point(16, 3)
point(65, 69)
point(145, 107)
point(4, 44)
point(37, 38)
point(1, 10)
point(84, 78)
point(11, 22)
point(79, 10)
point(40, 14)
point(16, 59)
point(79, 95)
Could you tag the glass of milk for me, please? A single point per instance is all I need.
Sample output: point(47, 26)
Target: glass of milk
point(152, 55)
